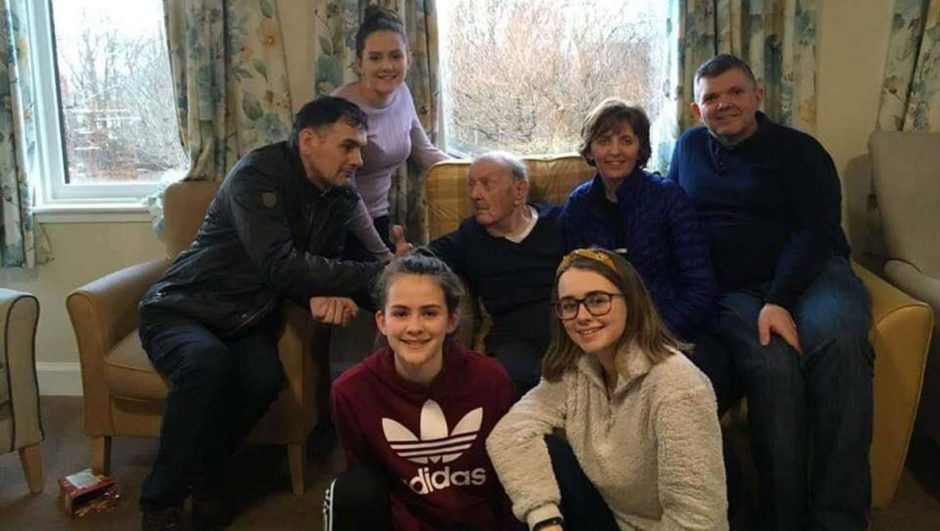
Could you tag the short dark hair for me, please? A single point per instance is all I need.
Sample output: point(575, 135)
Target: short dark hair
point(720, 64)
point(326, 111)
point(421, 265)
point(609, 117)
point(377, 18)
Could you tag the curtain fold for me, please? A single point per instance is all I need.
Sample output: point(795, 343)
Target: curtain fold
point(22, 242)
point(777, 38)
point(230, 80)
point(910, 92)
point(334, 36)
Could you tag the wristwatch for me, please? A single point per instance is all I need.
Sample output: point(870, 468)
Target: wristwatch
point(555, 520)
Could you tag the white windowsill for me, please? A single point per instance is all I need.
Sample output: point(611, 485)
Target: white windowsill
point(92, 213)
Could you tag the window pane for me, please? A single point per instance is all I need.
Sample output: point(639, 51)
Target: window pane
point(521, 75)
point(118, 109)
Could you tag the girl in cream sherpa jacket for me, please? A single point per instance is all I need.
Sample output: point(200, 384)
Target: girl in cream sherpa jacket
point(651, 445)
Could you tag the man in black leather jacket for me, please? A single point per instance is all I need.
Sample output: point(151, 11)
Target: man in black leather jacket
point(273, 231)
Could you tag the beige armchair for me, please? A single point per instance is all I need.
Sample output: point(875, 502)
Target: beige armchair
point(124, 394)
point(900, 329)
point(20, 425)
point(907, 184)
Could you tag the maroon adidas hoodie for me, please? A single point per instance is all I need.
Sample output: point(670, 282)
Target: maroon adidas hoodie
point(432, 438)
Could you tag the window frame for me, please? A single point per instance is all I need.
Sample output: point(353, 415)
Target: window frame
point(50, 173)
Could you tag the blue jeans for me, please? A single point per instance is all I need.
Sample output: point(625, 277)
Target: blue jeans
point(810, 416)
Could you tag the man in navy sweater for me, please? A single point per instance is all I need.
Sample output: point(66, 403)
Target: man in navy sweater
point(507, 253)
point(793, 315)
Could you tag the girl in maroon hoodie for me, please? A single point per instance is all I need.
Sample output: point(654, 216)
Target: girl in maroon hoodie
point(413, 417)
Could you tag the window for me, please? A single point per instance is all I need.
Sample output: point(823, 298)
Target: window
point(521, 75)
point(106, 118)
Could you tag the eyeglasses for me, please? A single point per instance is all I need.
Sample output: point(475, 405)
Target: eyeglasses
point(597, 303)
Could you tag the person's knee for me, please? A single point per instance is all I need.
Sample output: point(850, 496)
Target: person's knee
point(358, 492)
point(208, 368)
point(774, 369)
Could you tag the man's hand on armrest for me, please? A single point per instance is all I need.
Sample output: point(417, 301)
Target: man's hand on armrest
point(333, 310)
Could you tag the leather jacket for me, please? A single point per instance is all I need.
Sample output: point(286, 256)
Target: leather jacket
point(269, 233)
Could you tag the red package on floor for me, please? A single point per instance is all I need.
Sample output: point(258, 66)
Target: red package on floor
point(85, 492)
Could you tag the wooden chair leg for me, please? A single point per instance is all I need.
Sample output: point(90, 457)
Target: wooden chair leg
point(31, 459)
point(101, 454)
point(297, 459)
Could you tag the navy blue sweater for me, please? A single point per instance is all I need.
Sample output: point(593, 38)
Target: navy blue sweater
point(513, 280)
point(662, 238)
point(770, 207)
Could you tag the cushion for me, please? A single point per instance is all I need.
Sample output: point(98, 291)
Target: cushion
point(129, 373)
point(551, 180)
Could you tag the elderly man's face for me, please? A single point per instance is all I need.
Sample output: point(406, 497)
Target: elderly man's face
point(494, 193)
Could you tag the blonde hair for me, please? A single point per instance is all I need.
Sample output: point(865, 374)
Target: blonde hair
point(644, 326)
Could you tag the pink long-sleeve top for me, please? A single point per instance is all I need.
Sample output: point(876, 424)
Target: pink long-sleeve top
point(394, 135)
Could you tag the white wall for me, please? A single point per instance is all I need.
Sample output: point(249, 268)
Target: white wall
point(853, 42)
point(82, 252)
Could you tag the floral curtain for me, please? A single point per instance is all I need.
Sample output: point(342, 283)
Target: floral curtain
point(334, 36)
point(230, 80)
point(910, 92)
point(22, 242)
point(777, 38)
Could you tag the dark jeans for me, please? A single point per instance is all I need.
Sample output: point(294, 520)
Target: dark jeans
point(219, 388)
point(815, 407)
point(518, 340)
point(581, 505)
point(522, 360)
point(353, 248)
point(357, 499)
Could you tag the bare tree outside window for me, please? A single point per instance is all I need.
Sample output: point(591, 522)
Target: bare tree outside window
point(521, 75)
point(115, 90)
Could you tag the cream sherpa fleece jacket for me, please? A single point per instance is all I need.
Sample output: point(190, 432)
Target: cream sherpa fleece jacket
point(652, 447)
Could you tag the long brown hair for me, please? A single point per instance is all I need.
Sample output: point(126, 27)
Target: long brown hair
point(644, 326)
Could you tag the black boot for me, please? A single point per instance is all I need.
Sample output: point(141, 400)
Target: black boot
point(170, 519)
point(212, 508)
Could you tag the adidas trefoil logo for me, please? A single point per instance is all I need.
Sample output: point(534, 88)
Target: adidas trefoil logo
point(436, 444)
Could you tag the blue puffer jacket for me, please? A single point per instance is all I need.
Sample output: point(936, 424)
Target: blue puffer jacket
point(663, 240)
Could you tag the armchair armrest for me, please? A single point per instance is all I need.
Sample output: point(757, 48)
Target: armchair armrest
point(900, 334)
point(303, 348)
point(103, 312)
point(910, 280)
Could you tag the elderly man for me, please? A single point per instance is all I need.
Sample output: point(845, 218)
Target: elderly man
point(507, 252)
point(792, 314)
point(209, 325)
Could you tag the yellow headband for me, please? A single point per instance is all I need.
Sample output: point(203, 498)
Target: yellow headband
point(590, 254)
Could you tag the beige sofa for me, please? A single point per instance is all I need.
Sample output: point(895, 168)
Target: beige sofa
point(907, 184)
point(20, 423)
point(900, 329)
point(124, 394)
